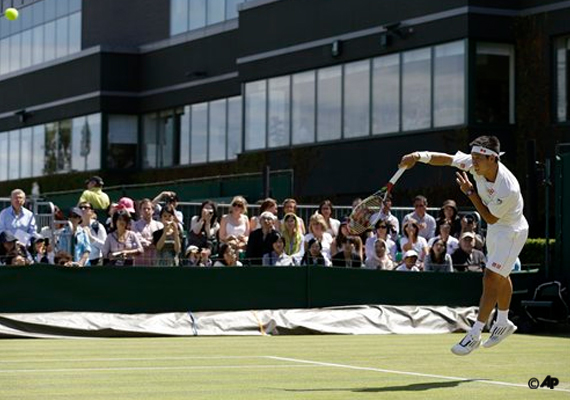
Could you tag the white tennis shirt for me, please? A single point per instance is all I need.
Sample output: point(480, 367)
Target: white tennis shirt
point(503, 197)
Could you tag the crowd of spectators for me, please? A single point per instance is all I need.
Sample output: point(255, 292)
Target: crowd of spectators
point(153, 232)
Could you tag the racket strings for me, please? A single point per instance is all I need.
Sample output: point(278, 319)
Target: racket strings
point(361, 217)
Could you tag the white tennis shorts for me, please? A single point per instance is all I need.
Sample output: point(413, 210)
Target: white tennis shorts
point(503, 247)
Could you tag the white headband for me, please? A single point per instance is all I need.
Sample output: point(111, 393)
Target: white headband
point(485, 151)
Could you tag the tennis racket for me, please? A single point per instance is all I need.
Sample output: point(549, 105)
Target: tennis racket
point(362, 217)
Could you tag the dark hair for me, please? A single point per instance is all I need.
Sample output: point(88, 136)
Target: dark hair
point(421, 198)
point(122, 214)
point(167, 209)
point(414, 223)
point(312, 241)
point(214, 214)
point(488, 142)
point(325, 203)
point(266, 204)
point(438, 258)
point(389, 226)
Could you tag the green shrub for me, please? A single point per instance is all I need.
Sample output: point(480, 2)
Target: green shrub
point(533, 251)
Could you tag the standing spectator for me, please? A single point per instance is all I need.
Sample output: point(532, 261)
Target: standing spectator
point(167, 240)
point(383, 228)
point(437, 259)
point(278, 257)
point(122, 245)
point(409, 262)
point(261, 241)
point(268, 204)
point(349, 255)
point(290, 207)
point(425, 221)
point(412, 241)
point(378, 258)
point(169, 198)
point(17, 219)
point(448, 214)
point(205, 226)
point(385, 214)
point(326, 209)
point(127, 204)
point(467, 257)
point(228, 257)
point(94, 194)
point(444, 234)
point(95, 232)
point(314, 254)
point(74, 239)
point(145, 227)
point(234, 227)
point(292, 236)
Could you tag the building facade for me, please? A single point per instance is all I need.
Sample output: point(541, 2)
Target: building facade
point(334, 90)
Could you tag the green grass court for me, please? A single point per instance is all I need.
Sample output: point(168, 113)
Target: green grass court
point(281, 367)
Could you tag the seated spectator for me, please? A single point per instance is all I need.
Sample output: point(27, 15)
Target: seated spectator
point(38, 250)
point(63, 258)
point(444, 234)
point(191, 257)
point(317, 230)
point(261, 241)
point(332, 224)
point(425, 221)
point(448, 215)
point(228, 256)
point(409, 262)
point(382, 230)
point(121, 245)
point(378, 258)
point(437, 259)
point(412, 241)
point(469, 224)
point(145, 227)
point(234, 226)
point(291, 232)
point(350, 254)
point(95, 232)
point(19, 260)
point(10, 248)
point(167, 240)
point(204, 227)
point(386, 215)
point(94, 194)
point(314, 254)
point(290, 207)
point(268, 204)
point(278, 257)
point(466, 257)
point(75, 240)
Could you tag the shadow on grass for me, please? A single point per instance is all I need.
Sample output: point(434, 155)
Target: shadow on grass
point(414, 387)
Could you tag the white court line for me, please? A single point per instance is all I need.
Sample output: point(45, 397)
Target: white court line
point(193, 367)
point(125, 359)
point(390, 371)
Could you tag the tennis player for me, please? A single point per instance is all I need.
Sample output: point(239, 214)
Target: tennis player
point(497, 198)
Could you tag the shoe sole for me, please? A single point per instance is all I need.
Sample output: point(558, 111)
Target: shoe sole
point(465, 354)
point(488, 344)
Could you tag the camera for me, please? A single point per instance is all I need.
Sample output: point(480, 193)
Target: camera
point(469, 219)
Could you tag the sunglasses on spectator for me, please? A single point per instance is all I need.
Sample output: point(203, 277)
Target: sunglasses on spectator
point(240, 205)
point(382, 227)
point(85, 208)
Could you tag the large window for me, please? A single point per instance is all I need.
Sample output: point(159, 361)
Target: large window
point(357, 99)
point(562, 79)
point(303, 110)
point(159, 139)
point(278, 113)
point(187, 15)
point(494, 84)
point(416, 89)
point(386, 94)
point(122, 141)
point(45, 30)
point(329, 103)
point(255, 115)
point(449, 84)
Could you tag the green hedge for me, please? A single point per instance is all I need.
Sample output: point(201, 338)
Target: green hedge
point(533, 251)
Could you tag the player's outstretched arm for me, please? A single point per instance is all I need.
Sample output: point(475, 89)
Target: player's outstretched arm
point(426, 157)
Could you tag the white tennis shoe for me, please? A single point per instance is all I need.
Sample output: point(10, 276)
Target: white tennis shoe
point(499, 333)
point(466, 345)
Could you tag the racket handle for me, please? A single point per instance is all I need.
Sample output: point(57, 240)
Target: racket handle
point(395, 178)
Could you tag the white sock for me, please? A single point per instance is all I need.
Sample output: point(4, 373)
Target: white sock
point(477, 328)
point(502, 316)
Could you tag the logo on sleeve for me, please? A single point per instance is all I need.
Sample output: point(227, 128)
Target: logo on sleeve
point(499, 201)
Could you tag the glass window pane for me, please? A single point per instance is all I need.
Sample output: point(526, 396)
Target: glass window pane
point(185, 136)
point(562, 75)
point(150, 133)
point(49, 10)
point(199, 139)
point(197, 12)
point(178, 16)
point(278, 113)
point(51, 141)
point(62, 35)
point(94, 134)
point(26, 48)
point(74, 5)
point(74, 33)
point(255, 114)
point(329, 107)
point(64, 146)
point(217, 140)
point(357, 99)
point(49, 41)
point(234, 127)
point(4, 160)
point(15, 51)
point(4, 28)
point(232, 8)
point(26, 152)
point(494, 93)
point(39, 150)
point(449, 84)
point(386, 94)
point(303, 107)
point(15, 26)
point(416, 89)
point(38, 45)
point(37, 11)
point(166, 140)
point(4, 56)
point(86, 146)
point(216, 11)
point(122, 144)
point(13, 155)
point(61, 8)
point(27, 18)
